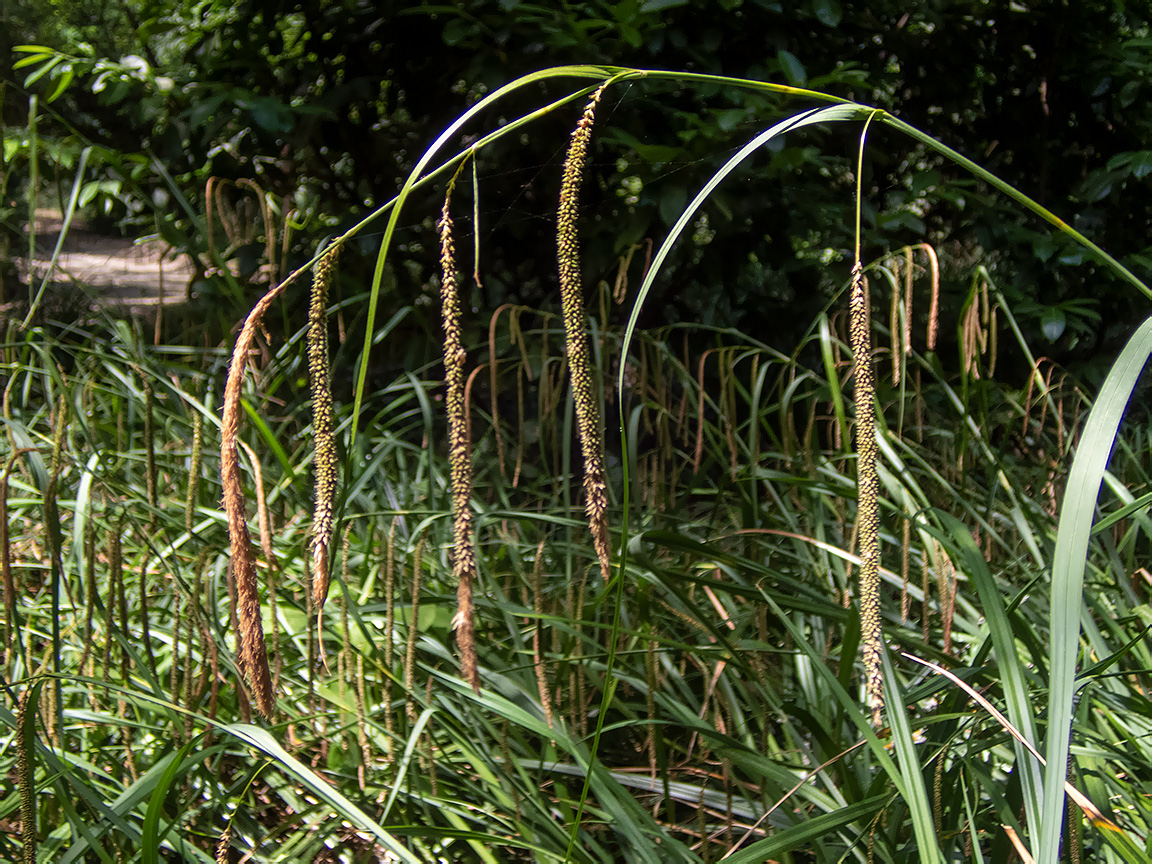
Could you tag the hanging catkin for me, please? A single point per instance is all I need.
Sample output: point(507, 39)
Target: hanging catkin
point(868, 487)
point(584, 391)
point(459, 453)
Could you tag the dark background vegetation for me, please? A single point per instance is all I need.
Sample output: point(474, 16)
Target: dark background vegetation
point(331, 103)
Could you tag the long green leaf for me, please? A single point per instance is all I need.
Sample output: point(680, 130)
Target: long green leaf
point(799, 838)
point(829, 114)
point(1019, 700)
point(150, 841)
point(1020, 198)
point(261, 740)
point(915, 795)
point(1073, 534)
point(69, 212)
point(409, 749)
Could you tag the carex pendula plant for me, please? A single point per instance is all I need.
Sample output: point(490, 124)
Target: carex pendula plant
point(718, 705)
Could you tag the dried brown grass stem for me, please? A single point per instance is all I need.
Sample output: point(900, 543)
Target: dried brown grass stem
point(10, 641)
point(459, 453)
point(537, 655)
point(252, 653)
point(413, 631)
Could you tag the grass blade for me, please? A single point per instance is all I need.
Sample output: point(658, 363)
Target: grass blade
point(915, 795)
point(1019, 700)
point(264, 742)
point(801, 836)
point(150, 828)
point(1073, 534)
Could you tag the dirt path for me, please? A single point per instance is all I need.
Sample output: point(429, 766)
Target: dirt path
point(116, 272)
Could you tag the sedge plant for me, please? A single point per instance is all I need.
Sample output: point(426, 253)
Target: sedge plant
point(726, 678)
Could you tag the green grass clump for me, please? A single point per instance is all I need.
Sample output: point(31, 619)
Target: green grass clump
point(715, 698)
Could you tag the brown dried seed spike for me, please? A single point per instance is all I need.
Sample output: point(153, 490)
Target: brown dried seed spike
point(413, 630)
point(934, 308)
point(253, 655)
point(194, 470)
point(459, 453)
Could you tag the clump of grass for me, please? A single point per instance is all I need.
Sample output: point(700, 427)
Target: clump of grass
point(900, 317)
point(584, 390)
point(459, 453)
point(978, 332)
point(704, 710)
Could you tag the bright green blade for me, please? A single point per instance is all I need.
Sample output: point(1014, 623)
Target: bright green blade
point(1075, 528)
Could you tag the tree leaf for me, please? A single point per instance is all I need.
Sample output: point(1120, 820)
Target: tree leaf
point(61, 85)
point(792, 68)
point(1052, 322)
point(828, 11)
